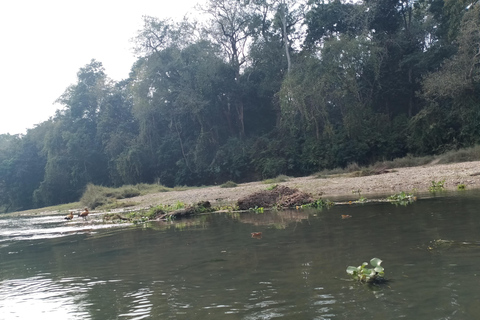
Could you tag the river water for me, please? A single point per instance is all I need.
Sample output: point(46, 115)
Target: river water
point(210, 267)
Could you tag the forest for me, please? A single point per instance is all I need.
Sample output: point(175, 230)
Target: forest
point(255, 89)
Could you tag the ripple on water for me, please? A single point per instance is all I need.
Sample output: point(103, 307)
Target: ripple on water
point(140, 305)
point(48, 227)
point(40, 295)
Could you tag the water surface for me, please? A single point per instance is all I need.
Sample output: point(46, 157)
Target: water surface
point(211, 267)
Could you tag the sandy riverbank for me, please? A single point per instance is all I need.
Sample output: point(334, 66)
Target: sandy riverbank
point(413, 179)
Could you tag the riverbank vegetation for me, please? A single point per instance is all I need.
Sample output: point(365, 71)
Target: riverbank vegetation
point(259, 89)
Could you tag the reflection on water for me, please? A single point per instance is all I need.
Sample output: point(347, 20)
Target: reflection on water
point(211, 267)
point(40, 295)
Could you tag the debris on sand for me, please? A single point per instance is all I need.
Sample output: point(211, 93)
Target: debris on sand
point(279, 196)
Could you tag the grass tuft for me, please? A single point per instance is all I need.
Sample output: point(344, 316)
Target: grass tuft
point(278, 179)
point(229, 184)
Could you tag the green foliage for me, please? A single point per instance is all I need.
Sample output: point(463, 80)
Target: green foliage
point(461, 186)
point(272, 186)
point(402, 198)
point(257, 209)
point(437, 186)
point(368, 275)
point(179, 205)
point(229, 184)
point(319, 204)
point(365, 86)
point(152, 213)
point(93, 197)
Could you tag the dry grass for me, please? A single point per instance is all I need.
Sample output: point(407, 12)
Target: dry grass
point(105, 197)
point(278, 179)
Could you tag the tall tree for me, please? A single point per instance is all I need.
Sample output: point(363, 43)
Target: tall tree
point(74, 152)
point(232, 25)
point(450, 118)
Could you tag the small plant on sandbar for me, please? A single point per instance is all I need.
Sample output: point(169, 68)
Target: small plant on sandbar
point(229, 184)
point(360, 199)
point(319, 204)
point(257, 209)
point(402, 198)
point(368, 275)
point(437, 186)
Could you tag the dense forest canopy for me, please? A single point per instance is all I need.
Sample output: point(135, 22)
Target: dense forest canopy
point(259, 88)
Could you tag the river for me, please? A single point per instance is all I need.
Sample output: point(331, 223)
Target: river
point(211, 267)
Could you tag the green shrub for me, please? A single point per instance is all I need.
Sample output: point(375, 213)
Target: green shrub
point(127, 192)
point(461, 155)
point(229, 184)
point(94, 196)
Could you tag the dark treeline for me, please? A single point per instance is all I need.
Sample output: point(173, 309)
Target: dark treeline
point(264, 87)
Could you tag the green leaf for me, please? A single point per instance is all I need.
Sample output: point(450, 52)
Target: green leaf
point(378, 269)
point(367, 271)
point(352, 270)
point(375, 262)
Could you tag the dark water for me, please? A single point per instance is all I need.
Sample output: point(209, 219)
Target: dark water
point(211, 267)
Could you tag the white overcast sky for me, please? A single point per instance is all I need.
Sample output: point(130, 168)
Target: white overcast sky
point(45, 43)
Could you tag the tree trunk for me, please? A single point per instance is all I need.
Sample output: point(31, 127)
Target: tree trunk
point(283, 15)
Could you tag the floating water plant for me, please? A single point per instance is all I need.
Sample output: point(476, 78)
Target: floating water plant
point(366, 274)
point(319, 204)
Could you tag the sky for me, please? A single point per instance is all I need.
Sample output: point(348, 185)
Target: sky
point(45, 43)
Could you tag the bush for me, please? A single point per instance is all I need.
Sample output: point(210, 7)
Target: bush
point(461, 155)
point(229, 184)
point(94, 196)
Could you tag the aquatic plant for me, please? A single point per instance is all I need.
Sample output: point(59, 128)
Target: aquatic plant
point(368, 275)
point(257, 209)
point(461, 186)
point(437, 186)
point(402, 198)
point(319, 204)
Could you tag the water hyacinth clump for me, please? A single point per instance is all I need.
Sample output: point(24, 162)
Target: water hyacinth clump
point(366, 274)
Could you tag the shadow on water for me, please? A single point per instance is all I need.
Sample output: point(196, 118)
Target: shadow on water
point(212, 268)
